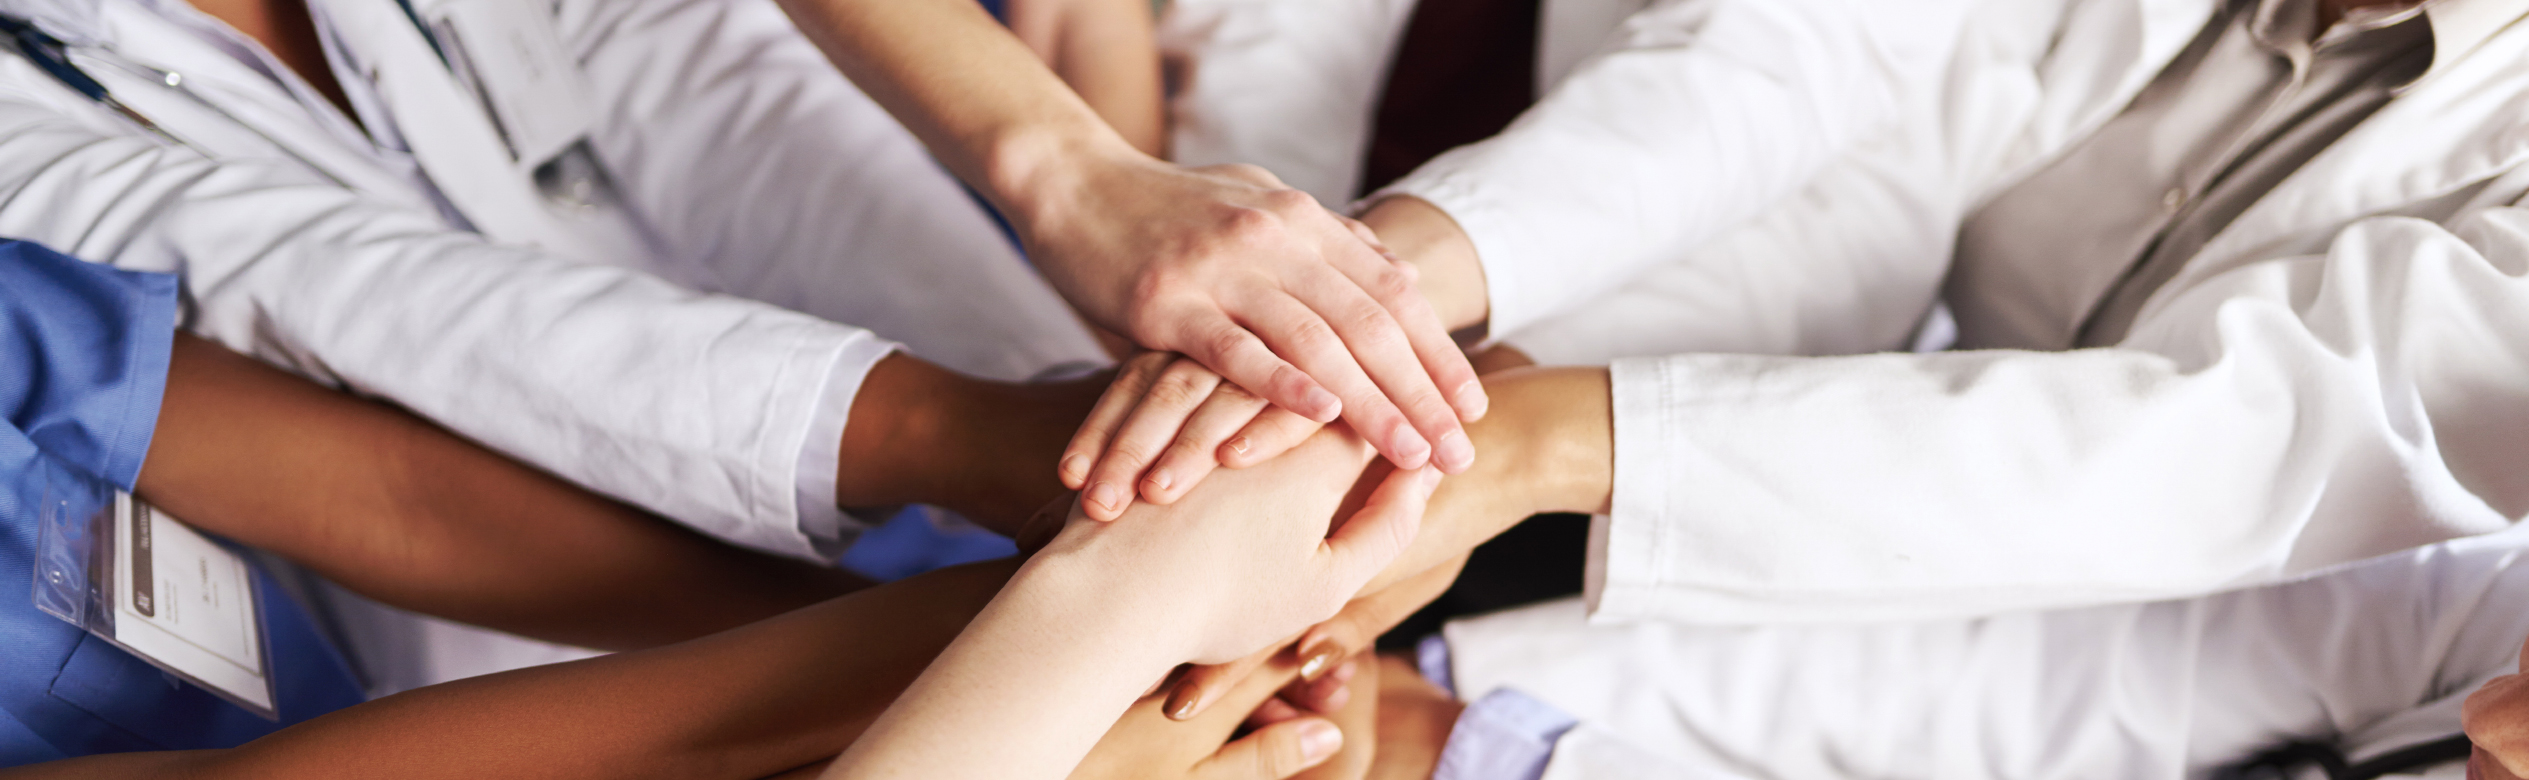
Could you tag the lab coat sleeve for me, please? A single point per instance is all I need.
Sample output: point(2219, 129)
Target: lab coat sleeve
point(1696, 116)
point(690, 405)
point(2271, 420)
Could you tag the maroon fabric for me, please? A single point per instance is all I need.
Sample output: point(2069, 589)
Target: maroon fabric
point(1464, 70)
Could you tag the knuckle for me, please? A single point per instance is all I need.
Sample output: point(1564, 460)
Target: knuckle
point(1246, 228)
point(1177, 389)
point(1227, 341)
point(1291, 201)
point(1391, 282)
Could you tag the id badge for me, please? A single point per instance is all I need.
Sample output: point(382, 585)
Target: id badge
point(151, 585)
point(509, 55)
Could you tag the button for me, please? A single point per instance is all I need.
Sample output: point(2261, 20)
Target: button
point(174, 79)
point(2174, 198)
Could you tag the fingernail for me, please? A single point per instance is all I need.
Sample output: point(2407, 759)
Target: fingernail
point(1454, 454)
point(1322, 406)
point(1319, 740)
point(1240, 445)
point(1181, 703)
point(1430, 480)
point(1471, 401)
point(1104, 495)
point(1411, 451)
point(1320, 658)
point(1075, 468)
point(1159, 482)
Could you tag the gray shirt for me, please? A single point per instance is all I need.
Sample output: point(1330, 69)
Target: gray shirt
point(2258, 93)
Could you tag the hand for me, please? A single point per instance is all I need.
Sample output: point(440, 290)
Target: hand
point(1232, 568)
point(1260, 283)
point(1167, 421)
point(1164, 424)
point(1351, 632)
point(1145, 744)
point(2496, 718)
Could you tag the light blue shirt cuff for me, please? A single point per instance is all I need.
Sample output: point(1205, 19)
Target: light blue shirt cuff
point(1507, 735)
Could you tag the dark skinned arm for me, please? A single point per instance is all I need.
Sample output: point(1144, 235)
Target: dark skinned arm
point(920, 433)
point(404, 512)
point(747, 703)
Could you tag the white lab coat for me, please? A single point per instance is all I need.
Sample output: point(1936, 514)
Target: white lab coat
point(779, 230)
point(2342, 373)
point(2371, 658)
point(688, 352)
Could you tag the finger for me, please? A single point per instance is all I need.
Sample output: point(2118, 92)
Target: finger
point(1362, 231)
point(1327, 694)
point(1202, 686)
point(1131, 383)
point(1358, 627)
point(1273, 431)
point(1374, 537)
point(1295, 329)
point(1401, 343)
point(1241, 357)
point(1388, 356)
point(1271, 712)
point(1172, 398)
point(1196, 450)
point(1274, 752)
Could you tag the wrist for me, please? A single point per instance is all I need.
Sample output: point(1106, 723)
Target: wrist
point(1551, 438)
point(919, 433)
point(1120, 609)
point(1035, 172)
point(1451, 275)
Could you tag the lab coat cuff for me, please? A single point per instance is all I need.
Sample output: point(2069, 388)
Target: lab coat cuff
point(1623, 576)
point(828, 529)
point(1517, 293)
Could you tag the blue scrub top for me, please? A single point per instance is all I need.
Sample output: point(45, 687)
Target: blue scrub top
point(83, 365)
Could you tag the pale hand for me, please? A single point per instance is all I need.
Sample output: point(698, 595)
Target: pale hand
point(1265, 286)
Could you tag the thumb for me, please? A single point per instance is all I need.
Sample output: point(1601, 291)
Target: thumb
point(1373, 537)
point(1274, 752)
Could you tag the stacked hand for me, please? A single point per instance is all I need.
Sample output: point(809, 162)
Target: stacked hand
point(1274, 294)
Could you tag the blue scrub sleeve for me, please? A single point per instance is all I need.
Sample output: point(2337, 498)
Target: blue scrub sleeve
point(87, 346)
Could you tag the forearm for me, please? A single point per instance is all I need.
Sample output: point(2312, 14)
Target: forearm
point(1108, 53)
point(1549, 446)
point(919, 433)
point(1045, 669)
point(744, 704)
point(991, 111)
point(403, 512)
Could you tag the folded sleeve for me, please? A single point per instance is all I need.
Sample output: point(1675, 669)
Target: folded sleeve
point(2270, 420)
point(690, 405)
point(87, 348)
point(1695, 116)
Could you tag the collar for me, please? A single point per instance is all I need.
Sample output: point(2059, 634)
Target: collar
point(2458, 27)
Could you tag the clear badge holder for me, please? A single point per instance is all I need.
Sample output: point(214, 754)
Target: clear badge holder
point(154, 587)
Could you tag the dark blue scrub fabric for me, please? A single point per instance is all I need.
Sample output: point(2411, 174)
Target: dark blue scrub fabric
point(83, 365)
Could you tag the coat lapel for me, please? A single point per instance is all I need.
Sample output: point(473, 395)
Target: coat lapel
point(2457, 127)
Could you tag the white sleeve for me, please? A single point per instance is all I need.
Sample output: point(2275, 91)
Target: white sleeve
point(690, 405)
point(1697, 116)
point(2271, 420)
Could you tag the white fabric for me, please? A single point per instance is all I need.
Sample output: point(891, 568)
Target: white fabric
point(2335, 376)
point(2374, 657)
point(751, 169)
point(748, 165)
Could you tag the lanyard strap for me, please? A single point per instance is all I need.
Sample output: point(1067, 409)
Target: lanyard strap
point(2278, 763)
